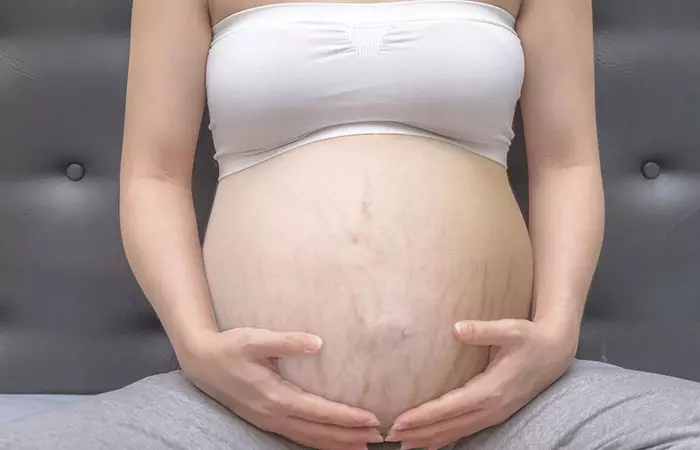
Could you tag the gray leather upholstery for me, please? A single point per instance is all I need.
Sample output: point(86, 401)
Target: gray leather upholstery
point(72, 318)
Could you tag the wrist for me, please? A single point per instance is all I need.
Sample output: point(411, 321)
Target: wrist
point(564, 323)
point(188, 341)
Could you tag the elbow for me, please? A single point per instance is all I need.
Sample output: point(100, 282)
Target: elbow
point(568, 161)
point(145, 191)
point(575, 177)
point(570, 158)
point(154, 164)
point(137, 176)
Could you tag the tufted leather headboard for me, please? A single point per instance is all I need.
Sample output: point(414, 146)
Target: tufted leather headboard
point(73, 319)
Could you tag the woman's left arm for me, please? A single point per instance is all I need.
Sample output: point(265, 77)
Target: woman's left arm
point(566, 190)
point(566, 228)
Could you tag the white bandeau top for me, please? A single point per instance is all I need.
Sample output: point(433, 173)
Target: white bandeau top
point(283, 75)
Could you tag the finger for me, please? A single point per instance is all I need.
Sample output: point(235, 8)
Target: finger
point(272, 344)
point(330, 436)
point(495, 332)
point(314, 408)
point(312, 442)
point(455, 403)
point(447, 431)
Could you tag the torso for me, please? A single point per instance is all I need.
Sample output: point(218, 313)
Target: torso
point(378, 244)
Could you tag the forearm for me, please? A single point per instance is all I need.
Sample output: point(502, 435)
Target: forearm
point(162, 246)
point(566, 228)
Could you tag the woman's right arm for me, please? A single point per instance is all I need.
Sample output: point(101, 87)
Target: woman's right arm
point(164, 105)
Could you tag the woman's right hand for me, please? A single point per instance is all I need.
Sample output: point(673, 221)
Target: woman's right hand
point(238, 368)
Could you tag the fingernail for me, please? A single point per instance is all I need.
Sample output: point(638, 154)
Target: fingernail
point(397, 427)
point(313, 344)
point(377, 437)
point(461, 328)
point(391, 436)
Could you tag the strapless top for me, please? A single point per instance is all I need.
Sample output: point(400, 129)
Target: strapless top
point(283, 75)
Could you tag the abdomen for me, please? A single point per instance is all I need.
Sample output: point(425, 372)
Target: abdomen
point(378, 244)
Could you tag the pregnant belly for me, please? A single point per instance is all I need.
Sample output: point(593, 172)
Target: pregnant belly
point(378, 244)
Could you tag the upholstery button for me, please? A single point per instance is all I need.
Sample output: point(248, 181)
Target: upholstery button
point(651, 170)
point(75, 172)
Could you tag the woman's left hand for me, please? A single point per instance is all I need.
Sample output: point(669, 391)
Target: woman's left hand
point(526, 357)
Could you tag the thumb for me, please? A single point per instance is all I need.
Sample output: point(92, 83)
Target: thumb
point(274, 344)
point(494, 332)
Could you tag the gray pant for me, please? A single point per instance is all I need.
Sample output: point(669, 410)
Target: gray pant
point(593, 406)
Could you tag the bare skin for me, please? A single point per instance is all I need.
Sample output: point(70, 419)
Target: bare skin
point(379, 265)
point(219, 9)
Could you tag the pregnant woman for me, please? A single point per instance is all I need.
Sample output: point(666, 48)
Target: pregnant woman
point(367, 277)
point(363, 194)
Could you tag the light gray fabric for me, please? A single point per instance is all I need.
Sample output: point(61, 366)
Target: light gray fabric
point(593, 406)
point(603, 407)
point(13, 407)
